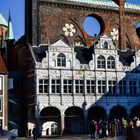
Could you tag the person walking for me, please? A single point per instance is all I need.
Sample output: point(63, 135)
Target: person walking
point(114, 128)
point(124, 126)
point(34, 132)
point(1, 130)
point(92, 129)
point(138, 123)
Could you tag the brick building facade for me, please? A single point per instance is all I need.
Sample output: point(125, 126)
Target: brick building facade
point(73, 77)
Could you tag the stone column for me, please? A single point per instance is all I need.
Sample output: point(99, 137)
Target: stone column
point(107, 88)
point(50, 90)
point(107, 113)
point(37, 116)
point(127, 87)
point(137, 86)
point(62, 124)
point(85, 122)
point(73, 84)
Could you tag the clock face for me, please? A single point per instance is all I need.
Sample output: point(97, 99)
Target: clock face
point(69, 29)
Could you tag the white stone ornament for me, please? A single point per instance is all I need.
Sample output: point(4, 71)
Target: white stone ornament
point(69, 30)
point(115, 34)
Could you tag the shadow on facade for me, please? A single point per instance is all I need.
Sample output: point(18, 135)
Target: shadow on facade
point(76, 120)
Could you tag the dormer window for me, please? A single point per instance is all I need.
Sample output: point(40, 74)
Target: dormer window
point(61, 60)
point(101, 62)
point(110, 62)
point(106, 45)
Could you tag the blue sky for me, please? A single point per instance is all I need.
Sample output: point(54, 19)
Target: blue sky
point(17, 14)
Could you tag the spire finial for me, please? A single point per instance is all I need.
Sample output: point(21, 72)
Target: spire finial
point(10, 34)
point(9, 16)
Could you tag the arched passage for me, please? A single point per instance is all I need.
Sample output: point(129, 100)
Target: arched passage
point(74, 120)
point(50, 115)
point(96, 113)
point(118, 112)
point(135, 112)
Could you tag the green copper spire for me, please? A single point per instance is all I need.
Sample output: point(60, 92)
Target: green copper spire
point(10, 34)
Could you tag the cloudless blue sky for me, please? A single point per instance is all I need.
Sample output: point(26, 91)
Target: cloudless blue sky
point(17, 14)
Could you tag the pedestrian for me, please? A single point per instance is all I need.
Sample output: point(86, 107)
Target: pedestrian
point(96, 135)
point(124, 126)
point(1, 130)
point(104, 128)
point(92, 129)
point(131, 124)
point(114, 127)
point(138, 123)
point(119, 128)
point(34, 132)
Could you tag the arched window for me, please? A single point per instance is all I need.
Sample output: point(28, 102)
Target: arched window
point(101, 62)
point(110, 62)
point(106, 45)
point(61, 60)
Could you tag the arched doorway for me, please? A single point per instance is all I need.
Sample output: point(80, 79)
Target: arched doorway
point(51, 116)
point(118, 112)
point(74, 120)
point(96, 113)
point(135, 112)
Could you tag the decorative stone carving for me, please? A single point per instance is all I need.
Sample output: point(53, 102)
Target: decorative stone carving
point(115, 34)
point(44, 63)
point(77, 64)
point(38, 65)
point(69, 29)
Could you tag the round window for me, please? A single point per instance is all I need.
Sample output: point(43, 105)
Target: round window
point(138, 29)
point(93, 25)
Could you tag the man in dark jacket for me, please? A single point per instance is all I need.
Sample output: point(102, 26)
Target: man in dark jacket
point(34, 133)
point(92, 129)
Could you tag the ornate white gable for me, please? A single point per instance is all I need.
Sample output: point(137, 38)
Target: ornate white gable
point(60, 43)
point(105, 42)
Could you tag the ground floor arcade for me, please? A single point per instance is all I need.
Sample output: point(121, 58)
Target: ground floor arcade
point(75, 120)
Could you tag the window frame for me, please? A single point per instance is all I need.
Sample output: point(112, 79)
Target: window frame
point(79, 86)
point(55, 86)
point(132, 87)
point(67, 86)
point(110, 62)
point(90, 86)
point(112, 87)
point(1, 104)
point(61, 60)
point(101, 86)
point(122, 87)
point(101, 63)
point(45, 86)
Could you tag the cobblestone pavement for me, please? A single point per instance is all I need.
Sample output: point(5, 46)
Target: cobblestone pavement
point(83, 137)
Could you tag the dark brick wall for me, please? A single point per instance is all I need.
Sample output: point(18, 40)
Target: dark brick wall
point(49, 17)
point(53, 16)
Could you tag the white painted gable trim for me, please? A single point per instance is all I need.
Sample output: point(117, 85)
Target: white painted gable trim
point(59, 43)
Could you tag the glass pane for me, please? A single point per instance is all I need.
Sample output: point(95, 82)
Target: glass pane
point(53, 81)
point(40, 81)
point(45, 81)
point(65, 81)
